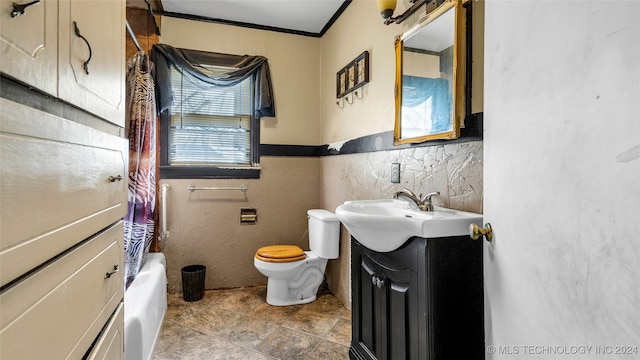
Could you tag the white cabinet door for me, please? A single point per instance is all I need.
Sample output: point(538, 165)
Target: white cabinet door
point(28, 43)
point(99, 88)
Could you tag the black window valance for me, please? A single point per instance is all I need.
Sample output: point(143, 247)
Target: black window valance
point(190, 62)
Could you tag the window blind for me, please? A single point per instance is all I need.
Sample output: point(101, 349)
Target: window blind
point(416, 120)
point(210, 125)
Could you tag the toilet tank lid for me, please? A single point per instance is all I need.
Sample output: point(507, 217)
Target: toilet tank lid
point(322, 215)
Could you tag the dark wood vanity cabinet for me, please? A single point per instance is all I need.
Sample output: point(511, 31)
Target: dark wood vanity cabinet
point(421, 301)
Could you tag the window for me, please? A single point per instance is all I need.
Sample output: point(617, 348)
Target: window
point(413, 119)
point(209, 131)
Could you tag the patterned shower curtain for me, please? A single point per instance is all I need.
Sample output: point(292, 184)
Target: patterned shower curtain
point(141, 119)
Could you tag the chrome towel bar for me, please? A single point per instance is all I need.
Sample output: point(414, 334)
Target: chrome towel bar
point(242, 188)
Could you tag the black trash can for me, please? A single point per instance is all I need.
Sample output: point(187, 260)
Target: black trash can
point(193, 282)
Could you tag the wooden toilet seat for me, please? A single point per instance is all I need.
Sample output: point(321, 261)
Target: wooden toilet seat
point(280, 253)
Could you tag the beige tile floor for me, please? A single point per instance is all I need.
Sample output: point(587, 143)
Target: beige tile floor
point(239, 324)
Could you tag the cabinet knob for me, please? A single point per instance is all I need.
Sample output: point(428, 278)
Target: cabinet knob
point(115, 178)
point(475, 232)
point(376, 281)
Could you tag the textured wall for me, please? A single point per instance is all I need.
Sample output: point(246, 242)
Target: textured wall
point(205, 225)
point(454, 169)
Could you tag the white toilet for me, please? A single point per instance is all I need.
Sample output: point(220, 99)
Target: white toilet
point(295, 275)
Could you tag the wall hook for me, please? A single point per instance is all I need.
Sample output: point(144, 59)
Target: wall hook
point(359, 97)
point(341, 101)
point(347, 99)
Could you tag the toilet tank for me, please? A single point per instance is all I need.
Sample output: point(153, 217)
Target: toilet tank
point(324, 233)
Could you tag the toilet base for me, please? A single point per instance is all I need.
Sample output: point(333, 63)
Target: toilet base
point(300, 290)
point(275, 301)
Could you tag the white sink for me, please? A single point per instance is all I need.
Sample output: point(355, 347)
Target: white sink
point(384, 225)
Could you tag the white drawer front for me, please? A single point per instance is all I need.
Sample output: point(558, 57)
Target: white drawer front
point(110, 346)
point(61, 182)
point(57, 312)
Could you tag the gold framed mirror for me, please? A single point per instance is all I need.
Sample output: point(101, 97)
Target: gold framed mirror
point(430, 76)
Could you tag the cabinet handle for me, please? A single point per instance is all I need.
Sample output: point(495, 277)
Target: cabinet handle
point(115, 270)
point(20, 9)
point(86, 63)
point(115, 178)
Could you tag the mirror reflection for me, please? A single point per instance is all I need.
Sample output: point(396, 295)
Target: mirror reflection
point(427, 73)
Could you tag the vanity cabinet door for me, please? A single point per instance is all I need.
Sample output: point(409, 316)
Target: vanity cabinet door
point(385, 309)
point(367, 327)
point(99, 88)
point(400, 314)
point(29, 43)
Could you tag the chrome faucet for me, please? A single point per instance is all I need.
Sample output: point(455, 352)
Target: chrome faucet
point(423, 203)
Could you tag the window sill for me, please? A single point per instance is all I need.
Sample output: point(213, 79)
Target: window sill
point(208, 172)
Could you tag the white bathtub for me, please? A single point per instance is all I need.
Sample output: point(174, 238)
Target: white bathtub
point(145, 303)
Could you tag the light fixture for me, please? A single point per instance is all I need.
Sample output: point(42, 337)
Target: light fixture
point(387, 7)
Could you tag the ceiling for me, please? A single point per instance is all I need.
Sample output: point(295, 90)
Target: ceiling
point(304, 17)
